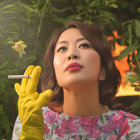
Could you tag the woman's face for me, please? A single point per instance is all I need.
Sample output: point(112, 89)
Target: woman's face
point(73, 48)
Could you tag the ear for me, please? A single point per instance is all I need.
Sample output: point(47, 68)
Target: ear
point(102, 74)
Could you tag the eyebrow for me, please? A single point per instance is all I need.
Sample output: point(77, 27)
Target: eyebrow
point(79, 39)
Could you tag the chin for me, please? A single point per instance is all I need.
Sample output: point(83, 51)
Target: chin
point(73, 83)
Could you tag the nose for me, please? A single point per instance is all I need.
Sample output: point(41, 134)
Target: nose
point(72, 56)
point(73, 52)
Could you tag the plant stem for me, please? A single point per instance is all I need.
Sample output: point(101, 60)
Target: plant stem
point(137, 61)
point(39, 27)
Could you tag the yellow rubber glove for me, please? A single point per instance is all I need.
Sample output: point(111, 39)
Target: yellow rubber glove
point(30, 104)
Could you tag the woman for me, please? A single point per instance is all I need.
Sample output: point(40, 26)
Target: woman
point(80, 70)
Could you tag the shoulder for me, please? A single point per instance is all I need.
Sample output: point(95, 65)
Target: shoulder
point(49, 115)
point(131, 119)
point(134, 124)
point(130, 123)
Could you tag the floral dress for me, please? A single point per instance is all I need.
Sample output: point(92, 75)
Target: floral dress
point(113, 125)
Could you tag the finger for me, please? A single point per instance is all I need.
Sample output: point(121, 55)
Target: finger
point(35, 95)
point(27, 72)
point(33, 81)
point(17, 86)
point(44, 98)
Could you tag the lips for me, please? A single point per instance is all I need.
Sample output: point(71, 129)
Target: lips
point(73, 66)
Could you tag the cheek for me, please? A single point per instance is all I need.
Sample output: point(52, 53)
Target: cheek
point(56, 64)
point(57, 68)
point(93, 57)
point(93, 61)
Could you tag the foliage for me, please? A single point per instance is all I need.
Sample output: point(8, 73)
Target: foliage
point(34, 22)
point(4, 124)
point(135, 107)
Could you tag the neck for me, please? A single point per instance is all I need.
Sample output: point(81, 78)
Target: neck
point(82, 101)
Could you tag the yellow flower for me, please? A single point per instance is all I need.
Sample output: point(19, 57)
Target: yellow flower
point(19, 47)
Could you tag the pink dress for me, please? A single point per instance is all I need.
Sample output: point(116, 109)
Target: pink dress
point(113, 125)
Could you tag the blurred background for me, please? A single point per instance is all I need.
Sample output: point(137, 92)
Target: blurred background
point(26, 27)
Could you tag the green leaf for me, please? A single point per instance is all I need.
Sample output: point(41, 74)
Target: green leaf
point(4, 123)
point(137, 28)
point(95, 4)
point(28, 8)
point(4, 65)
point(6, 7)
point(129, 27)
point(113, 5)
point(135, 107)
point(127, 51)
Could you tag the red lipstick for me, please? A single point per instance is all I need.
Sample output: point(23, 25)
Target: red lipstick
point(73, 66)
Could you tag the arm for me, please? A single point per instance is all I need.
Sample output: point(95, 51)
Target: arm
point(17, 129)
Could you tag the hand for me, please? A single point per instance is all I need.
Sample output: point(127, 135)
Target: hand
point(30, 104)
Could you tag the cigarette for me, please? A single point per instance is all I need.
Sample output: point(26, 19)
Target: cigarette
point(18, 76)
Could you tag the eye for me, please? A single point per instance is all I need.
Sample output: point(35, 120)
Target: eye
point(84, 45)
point(61, 49)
